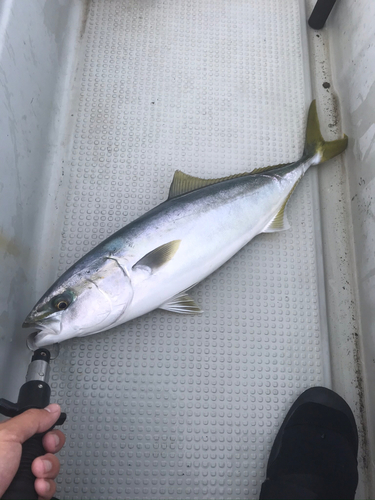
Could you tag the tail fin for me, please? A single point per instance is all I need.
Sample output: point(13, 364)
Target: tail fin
point(314, 140)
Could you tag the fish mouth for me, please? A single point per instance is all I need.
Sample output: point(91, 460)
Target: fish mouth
point(48, 331)
point(41, 338)
point(32, 344)
point(31, 341)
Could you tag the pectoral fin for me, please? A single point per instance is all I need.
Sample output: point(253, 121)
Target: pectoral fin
point(182, 304)
point(158, 257)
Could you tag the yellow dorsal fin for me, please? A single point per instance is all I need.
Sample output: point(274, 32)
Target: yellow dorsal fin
point(184, 183)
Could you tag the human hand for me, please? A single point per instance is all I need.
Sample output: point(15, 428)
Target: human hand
point(19, 429)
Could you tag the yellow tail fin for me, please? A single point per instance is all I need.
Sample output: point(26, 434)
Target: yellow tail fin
point(315, 143)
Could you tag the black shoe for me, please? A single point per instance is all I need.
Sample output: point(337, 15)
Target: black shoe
point(314, 456)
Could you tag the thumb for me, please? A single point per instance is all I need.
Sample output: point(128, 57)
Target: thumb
point(31, 422)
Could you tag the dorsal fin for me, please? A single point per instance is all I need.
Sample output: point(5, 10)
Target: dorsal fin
point(184, 183)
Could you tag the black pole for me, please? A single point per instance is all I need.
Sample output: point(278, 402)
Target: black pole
point(320, 13)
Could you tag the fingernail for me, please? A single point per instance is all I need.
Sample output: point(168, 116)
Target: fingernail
point(47, 465)
point(57, 439)
point(53, 408)
point(47, 486)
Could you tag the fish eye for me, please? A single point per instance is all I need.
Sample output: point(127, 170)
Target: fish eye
point(62, 302)
point(61, 305)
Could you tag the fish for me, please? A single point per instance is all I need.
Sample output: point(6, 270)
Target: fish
point(153, 261)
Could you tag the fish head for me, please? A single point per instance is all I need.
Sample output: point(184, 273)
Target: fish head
point(80, 303)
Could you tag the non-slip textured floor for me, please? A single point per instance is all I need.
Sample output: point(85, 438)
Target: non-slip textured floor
point(172, 406)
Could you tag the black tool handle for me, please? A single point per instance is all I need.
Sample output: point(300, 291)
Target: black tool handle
point(22, 486)
point(35, 393)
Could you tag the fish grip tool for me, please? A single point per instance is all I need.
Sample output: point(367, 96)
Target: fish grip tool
point(34, 393)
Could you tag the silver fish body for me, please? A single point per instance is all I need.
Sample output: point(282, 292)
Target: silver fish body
point(210, 224)
point(152, 261)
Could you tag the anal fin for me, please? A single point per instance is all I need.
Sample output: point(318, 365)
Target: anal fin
point(280, 221)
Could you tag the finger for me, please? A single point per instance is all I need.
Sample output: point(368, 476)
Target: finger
point(45, 488)
point(53, 441)
point(46, 467)
point(19, 429)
